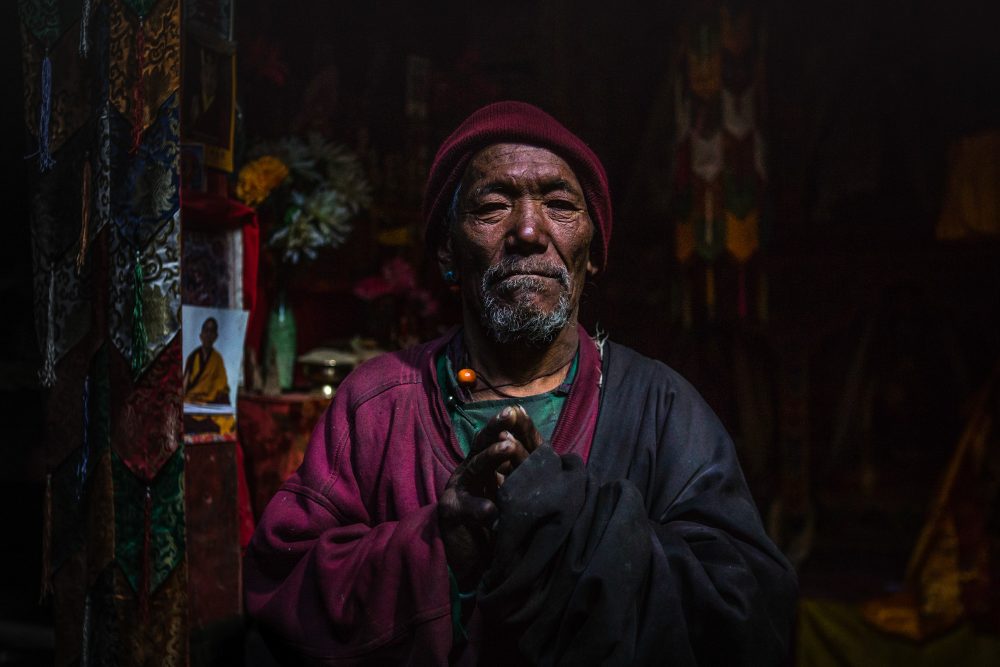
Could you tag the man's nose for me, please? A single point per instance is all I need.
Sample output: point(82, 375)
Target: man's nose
point(528, 233)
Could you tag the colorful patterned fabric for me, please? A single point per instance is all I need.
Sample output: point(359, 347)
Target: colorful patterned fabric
point(110, 435)
point(160, 57)
point(147, 421)
point(72, 98)
point(145, 209)
point(41, 18)
point(63, 432)
point(144, 7)
point(274, 432)
point(156, 636)
point(149, 523)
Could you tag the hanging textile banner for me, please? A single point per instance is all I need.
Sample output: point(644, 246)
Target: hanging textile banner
point(718, 82)
point(159, 290)
point(159, 634)
point(80, 489)
point(154, 69)
point(145, 204)
point(149, 523)
point(67, 321)
point(709, 220)
point(742, 235)
point(739, 112)
point(146, 423)
point(704, 62)
point(71, 91)
point(706, 156)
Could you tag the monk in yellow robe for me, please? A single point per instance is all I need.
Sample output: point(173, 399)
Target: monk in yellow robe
point(205, 381)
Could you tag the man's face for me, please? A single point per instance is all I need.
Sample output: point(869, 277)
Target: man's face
point(521, 242)
point(209, 332)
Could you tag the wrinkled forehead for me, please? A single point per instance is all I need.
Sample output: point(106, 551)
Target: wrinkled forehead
point(511, 163)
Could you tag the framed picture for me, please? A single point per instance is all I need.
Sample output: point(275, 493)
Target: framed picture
point(208, 96)
point(212, 345)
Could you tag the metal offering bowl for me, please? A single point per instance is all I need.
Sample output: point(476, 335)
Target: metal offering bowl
point(325, 367)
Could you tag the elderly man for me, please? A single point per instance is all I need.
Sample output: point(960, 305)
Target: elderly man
point(518, 491)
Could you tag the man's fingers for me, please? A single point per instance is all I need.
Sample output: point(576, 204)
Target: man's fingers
point(518, 455)
point(514, 419)
point(476, 511)
point(485, 462)
point(457, 507)
point(490, 433)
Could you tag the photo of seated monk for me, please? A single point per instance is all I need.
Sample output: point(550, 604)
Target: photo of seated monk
point(206, 382)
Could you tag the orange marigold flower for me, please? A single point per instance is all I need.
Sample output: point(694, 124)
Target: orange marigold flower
point(258, 178)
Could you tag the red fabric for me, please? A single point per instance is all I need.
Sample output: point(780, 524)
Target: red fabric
point(347, 561)
point(515, 122)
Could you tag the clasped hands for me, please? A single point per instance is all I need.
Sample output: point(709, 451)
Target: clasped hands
point(467, 509)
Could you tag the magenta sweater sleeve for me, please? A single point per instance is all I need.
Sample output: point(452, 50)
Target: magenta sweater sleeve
point(339, 570)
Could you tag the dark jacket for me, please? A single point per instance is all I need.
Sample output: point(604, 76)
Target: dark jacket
point(651, 552)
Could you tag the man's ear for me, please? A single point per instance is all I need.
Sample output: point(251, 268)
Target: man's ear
point(592, 270)
point(445, 256)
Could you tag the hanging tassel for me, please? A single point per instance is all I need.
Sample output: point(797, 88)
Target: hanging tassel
point(85, 633)
point(81, 470)
point(742, 295)
point(85, 29)
point(710, 291)
point(81, 255)
point(139, 337)
point(147, 530)
point(45, 160)
point(138, 88)
point(47, 375)
point(46, 584)
point(104, 167)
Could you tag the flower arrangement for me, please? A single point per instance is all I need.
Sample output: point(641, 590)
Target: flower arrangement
point(318, 187)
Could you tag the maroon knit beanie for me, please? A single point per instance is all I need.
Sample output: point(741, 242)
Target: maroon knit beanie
point(517, 123)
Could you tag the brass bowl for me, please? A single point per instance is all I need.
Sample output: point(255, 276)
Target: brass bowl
point(325, 368)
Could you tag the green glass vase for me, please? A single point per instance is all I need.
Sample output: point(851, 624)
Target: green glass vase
point(281, 334)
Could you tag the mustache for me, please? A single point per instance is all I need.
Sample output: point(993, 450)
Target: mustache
point(511, 266)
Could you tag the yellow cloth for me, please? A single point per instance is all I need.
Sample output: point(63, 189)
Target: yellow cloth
point(205, 381)
point(833, 634)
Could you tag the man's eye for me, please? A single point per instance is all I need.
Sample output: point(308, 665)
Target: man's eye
point(561, 205)
point(489, 207)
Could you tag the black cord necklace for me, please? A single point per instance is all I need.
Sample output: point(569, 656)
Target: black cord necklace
point(468, 377)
